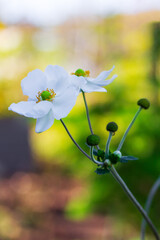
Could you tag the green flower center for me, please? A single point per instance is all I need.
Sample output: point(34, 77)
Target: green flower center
point(81, 73)
point(48, 95)
point(45, 95)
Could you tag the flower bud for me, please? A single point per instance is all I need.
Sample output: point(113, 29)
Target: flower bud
point(93, 140)
point(117, 153)
point(144, 103)
point(112, 127)
point(115, 157)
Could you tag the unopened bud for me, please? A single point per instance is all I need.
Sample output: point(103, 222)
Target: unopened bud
point(93, 140)
point(115, 156)
point(144, 103)
point(112, 127)
point(117, 153)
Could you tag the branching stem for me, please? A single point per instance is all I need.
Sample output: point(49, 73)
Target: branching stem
point(108, 143)
point(87, 112)
point(129, 127)
point(150, 198)
point(93, 159)
point(134, 201)
point(77, 145)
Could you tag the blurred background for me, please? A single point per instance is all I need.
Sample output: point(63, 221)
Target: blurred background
point(48, 189)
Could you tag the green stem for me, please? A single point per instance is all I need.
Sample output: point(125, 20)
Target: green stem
point(134, 201)
point(75, 141)
point(129, 127)
point(108, 143)
point(151, 195)
point(87, 112)
point(93, 159)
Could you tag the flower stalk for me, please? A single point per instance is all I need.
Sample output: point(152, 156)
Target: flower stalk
point(93, 159)
point(77, 145)
point(129, 127)
point(134, 201)
point(150, 198)
point(108, 143)
point(87, 112)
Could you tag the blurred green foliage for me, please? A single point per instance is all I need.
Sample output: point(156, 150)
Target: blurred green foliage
point(130, 43)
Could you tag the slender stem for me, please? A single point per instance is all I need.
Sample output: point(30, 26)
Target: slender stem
point(129, 127)
point(134, 201)
point(93, 159)
point(148, 204)
point(75, 141)
point(87, 112)
point(108, 143)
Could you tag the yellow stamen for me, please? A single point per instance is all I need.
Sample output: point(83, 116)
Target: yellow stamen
point(87, 73)
point(46, 95)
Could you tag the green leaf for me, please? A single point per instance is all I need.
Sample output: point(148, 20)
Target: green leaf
point(101, 171)
point(125, 159)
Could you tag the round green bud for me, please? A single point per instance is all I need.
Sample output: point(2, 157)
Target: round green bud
point(80, 72)
point(45, 95)
point(144, 103)
point(117, 153)
point(93, 140)
point(115, 156)
point(112, 127)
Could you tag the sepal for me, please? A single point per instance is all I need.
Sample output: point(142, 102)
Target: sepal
point(99, 153)
point(101, 171)
point(125, 159)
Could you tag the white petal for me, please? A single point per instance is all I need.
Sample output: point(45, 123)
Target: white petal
point(63, 104)
point(31, 108)
point(78, 82)
point(90, 87)
point(105, 82)
point(33, 83)
point(103, 75)
point(45, 122)
point(41, 109)
point(23, 108)
point(57, 78)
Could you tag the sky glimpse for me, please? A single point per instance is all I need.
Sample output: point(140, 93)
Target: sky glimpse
point(53, 12)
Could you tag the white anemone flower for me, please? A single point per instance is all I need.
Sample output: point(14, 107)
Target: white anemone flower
point(82, 80)
point(50, 96)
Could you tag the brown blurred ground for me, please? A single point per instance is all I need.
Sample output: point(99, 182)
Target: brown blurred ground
point(33, 207)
